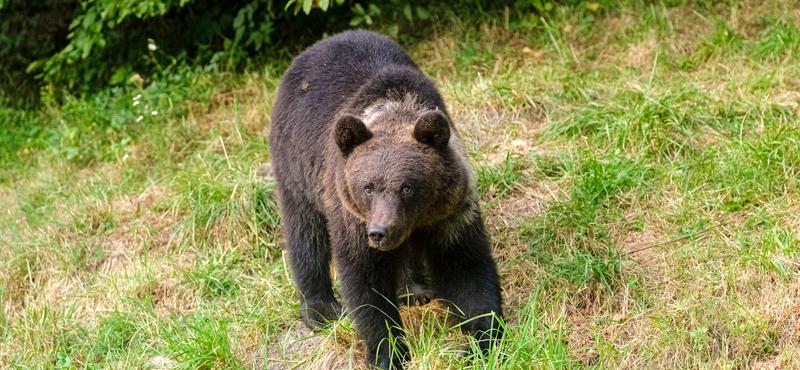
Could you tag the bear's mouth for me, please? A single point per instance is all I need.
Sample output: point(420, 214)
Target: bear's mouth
point(385, 245)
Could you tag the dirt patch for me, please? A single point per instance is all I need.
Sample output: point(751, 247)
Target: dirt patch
point(642, 246)
point(783, 306)
point(162, 363)
point(688, 30)
point(104, 172)
point(593, 314)
point(167, 295)
point(791, 331)
point(120, 250)
point(301, 348)
point(136, 204)
point(511, 212)
point(58, 291)
point(503, 222)
point(517, 280)
point(642, 55)
point(138, 225)
point(773, 363)
point(787, 98)
point(500, 131)
point(581, 338)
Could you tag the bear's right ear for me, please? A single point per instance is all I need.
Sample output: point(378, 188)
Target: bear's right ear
point(349, 132)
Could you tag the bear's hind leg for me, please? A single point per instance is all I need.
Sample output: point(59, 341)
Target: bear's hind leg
point(309, 257)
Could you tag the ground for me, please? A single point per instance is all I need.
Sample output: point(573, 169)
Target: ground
point(638, 168)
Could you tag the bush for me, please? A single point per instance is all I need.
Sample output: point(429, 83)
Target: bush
point(78, 46)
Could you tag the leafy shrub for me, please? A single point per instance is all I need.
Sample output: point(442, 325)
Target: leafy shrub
point(78, 46)
point(28, 31)
point(86, 45)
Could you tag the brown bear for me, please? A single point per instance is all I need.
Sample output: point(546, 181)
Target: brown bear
point(370, 171)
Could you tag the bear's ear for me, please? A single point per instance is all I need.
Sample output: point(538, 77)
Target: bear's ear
point(433, 129)
point(349, 132)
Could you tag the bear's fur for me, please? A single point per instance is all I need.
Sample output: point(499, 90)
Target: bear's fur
point(370, 171)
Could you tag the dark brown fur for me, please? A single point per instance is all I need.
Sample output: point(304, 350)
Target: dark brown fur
point(371, 171)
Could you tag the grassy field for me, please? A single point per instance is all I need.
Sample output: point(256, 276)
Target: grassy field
point(639, 169)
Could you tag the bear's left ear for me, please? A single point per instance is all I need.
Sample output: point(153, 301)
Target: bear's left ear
point(433, 129)
point(349, 132)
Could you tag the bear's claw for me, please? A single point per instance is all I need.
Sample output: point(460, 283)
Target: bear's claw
point(317, 314)
point(415, 293)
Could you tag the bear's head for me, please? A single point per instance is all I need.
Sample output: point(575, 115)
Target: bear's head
point(400, 173)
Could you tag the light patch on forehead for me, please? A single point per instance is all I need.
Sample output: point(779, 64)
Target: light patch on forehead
point(408, 107)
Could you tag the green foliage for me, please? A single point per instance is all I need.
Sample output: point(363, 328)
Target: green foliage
point(724, 42)
point(531, 342)
point(21, 129)
point(597, 196)
point(307, 5)
point(551, 166)
point(545, 6)
point(96, 129)
point(89, 45)
point(765, 245)
point(114, 334)
point(583, 268)
point(264, 216)
point(86, 45)
point(749, 172)
point(214, 278)
point(3, 318)
point(29, 30)
point(99, 43)
point(202, 343)
point(89, 34)
point(781, 38)
point(662, 126)
point(396, 14)
point(498, 181)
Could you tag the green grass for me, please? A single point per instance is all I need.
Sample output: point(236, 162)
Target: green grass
point(498, 181)
point(202, 343)
point(639, 168)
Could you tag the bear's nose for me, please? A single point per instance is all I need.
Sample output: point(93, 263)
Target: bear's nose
point(377, 233)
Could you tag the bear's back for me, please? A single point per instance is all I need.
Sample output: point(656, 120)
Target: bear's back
point(324, 76)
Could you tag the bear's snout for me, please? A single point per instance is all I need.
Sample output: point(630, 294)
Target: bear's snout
point(377, 233)
point(385, 226)
point(383, 238)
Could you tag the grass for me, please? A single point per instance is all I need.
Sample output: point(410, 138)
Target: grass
point(638, 167)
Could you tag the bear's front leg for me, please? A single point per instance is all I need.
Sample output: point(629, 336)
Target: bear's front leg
point(368, 280)
point(465, 276)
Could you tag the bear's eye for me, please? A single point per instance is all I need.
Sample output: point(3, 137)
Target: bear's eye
point(368, 190)
point(406, 190)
